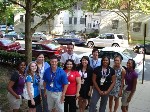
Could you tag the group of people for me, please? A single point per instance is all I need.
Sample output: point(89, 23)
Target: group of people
point(78, 82)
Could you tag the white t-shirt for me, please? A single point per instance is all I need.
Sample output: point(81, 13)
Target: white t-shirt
point(66, 56)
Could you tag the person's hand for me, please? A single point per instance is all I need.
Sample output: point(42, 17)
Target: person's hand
point(89, 93)
point(32, 102)
point(77, 95)
point(105, 93)
point(18, 97)
point(62, 99)
point(45, 95)
point(129, 99)
point(101, 92)
point(120, 93)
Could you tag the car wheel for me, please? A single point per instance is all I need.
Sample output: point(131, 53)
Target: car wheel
point(115, 45)
point(141, 50)
point(90, 44)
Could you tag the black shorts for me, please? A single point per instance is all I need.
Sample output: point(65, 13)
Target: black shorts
point(37, 102)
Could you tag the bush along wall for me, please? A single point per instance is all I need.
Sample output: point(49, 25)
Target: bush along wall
point(10, 57)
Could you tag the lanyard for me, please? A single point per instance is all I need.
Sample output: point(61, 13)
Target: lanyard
point(53, 75)
point(70, 56)
point(83, 73)
point(104, 73)
point(94, 65)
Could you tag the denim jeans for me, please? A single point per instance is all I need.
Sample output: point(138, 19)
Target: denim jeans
point(95, 97)
point(44, 102)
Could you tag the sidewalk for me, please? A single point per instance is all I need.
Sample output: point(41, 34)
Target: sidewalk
point(141, 100)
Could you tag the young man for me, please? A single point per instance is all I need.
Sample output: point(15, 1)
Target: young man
point(94, 62)
point(69, 55)
point(55, 85)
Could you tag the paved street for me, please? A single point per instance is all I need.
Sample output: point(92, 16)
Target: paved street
point(141, 100)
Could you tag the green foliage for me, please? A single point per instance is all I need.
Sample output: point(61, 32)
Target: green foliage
point(7, 13)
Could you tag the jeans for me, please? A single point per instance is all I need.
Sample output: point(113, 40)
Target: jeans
point(95, 97)
point(44, 102)
point(70, 101)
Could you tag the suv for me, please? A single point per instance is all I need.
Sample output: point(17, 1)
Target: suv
point(107, 40)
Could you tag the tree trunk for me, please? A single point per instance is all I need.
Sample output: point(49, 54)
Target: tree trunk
point(28, 39)
point(128, 21)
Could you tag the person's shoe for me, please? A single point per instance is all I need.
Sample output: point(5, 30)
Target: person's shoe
point(86, 107)
point(77, 107)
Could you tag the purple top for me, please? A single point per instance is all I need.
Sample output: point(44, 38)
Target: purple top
point(19, 83)
point(129, 77)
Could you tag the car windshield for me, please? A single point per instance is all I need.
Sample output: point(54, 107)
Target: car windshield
point(129, 53)
point(53, 45)
point(120, 36)
point(6, 42)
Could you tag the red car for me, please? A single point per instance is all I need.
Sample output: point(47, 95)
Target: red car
point(48, 48)
point(9, 45)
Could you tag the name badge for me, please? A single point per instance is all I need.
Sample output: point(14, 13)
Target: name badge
point(52, 84)
point(102, 81)
point(82, 81)
point(68, 82)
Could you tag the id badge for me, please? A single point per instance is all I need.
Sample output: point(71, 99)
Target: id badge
point(52, 84)
point(68, 82)
point(102, 81)
point(82, 81)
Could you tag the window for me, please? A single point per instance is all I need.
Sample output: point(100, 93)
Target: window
point(70, 20)
point(115, 24)
point(21, 18)
point(82, 20)
point(137, 26)
point(110, 36)
point(75, 20)
point(75, 6)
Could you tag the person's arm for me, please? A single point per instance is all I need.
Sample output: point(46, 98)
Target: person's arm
point(63, 93)
point(29, 92)
point(44, 84)
point(122, 81)
point(95, 84)
point(62, 60)
point(78, 80)
point(133, 89)
point(112, 85)
point(9, 88)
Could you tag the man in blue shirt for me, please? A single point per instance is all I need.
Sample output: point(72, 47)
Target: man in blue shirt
point(94, 62)
point(55, 85)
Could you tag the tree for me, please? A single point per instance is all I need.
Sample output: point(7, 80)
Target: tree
point(124, 8)
point(6, 11)
point(39, 7)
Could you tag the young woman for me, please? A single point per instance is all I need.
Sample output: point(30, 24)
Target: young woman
point(103, 80)
point(74, 85)
point(117, 90)
point(33, 79)
point(85, 71)
point(131, 82)
point(15, 86)
point(42, 66)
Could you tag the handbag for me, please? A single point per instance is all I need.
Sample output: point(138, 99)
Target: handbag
point(25, 92)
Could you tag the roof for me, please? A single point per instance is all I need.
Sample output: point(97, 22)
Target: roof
point(116, 49)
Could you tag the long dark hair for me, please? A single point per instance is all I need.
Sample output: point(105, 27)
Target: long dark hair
point(103, 60)
point(88, 65)
point(133, 63)
point(70, 60)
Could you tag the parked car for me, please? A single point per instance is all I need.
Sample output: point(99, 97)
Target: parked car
point(125, 54)
point(8, 28)
point(37, 36)
point(47, 48)
point(66, 39)
point(9, 45)
point(107, 40)
point(14, 36)
point(139, 48)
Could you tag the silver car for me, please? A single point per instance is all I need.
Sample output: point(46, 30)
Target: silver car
point(37, 36)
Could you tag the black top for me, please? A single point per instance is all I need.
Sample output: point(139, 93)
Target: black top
point(87, 82)
point(98, 72)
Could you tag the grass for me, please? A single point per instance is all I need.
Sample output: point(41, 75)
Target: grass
point(134, 42)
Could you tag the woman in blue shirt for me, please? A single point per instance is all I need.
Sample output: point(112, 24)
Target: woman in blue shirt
point(32, 80)
point(42, 66)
